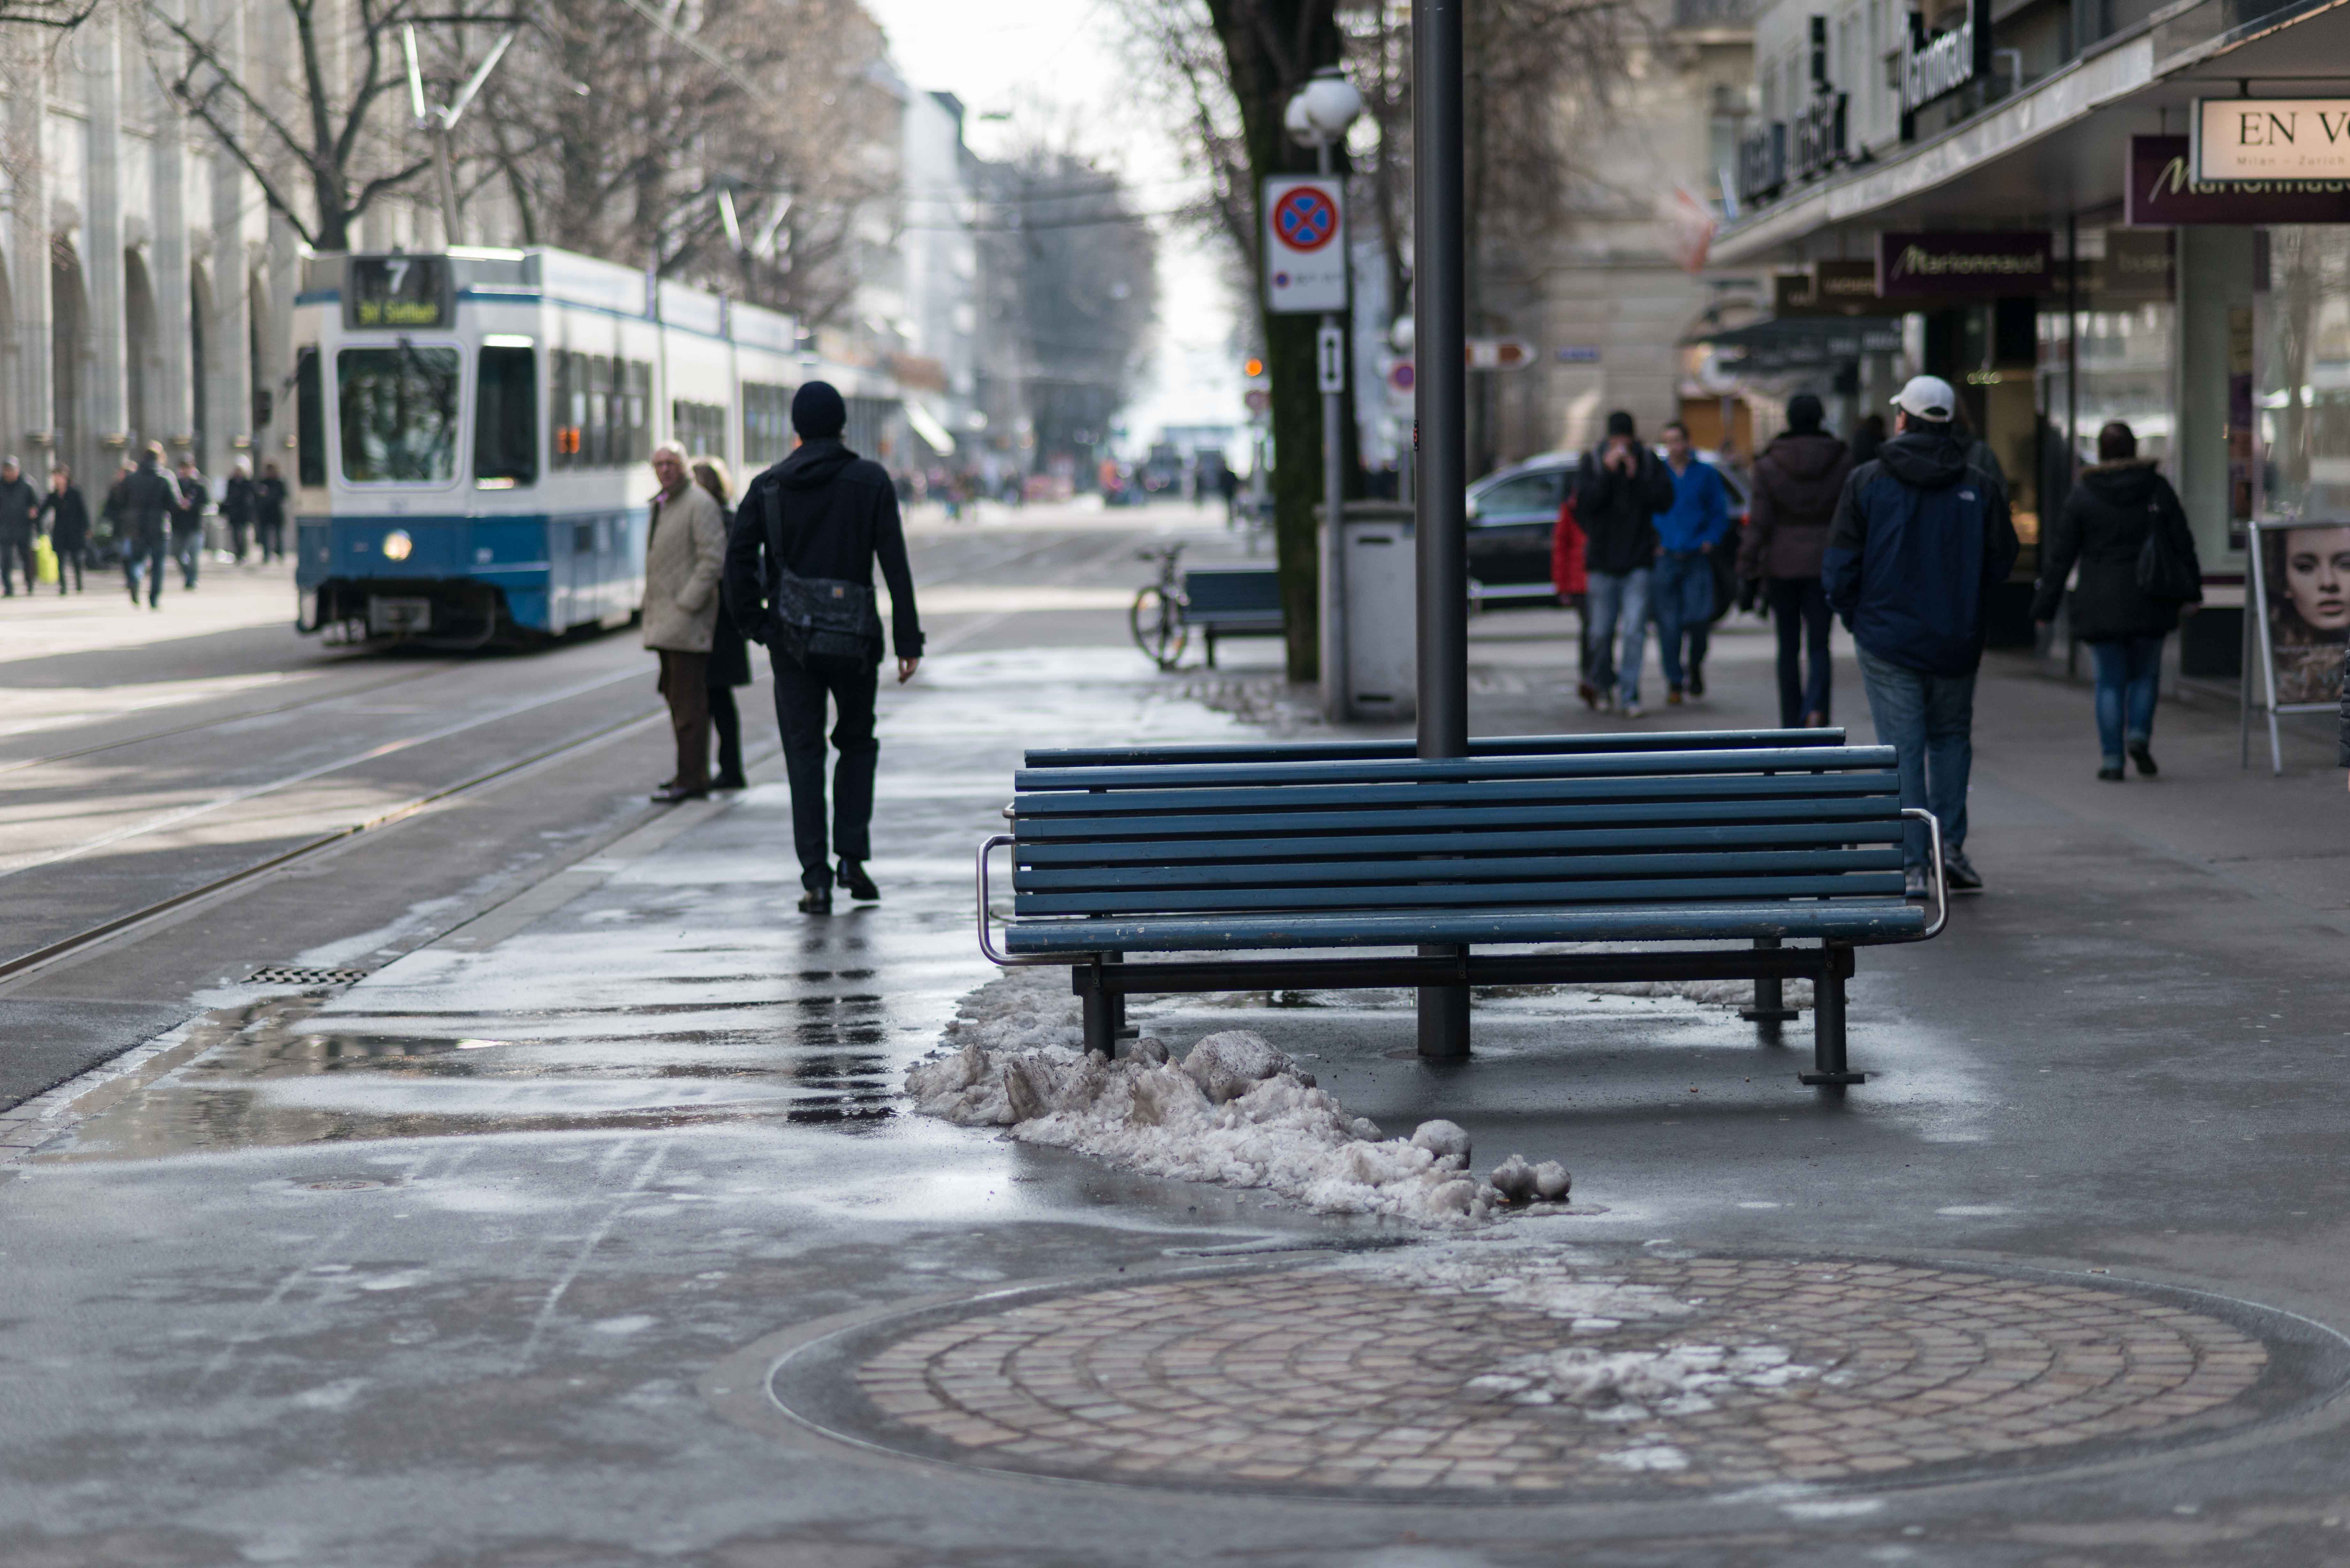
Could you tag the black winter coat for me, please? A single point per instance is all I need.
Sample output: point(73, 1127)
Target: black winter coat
point(1618, 511)
point(149, 499)
point(2102, 526)
point(1798, 481)
point(68, 516)
point(18, 502)
point(840, 517)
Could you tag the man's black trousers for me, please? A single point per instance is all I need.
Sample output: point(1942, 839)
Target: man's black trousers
point(800, 696)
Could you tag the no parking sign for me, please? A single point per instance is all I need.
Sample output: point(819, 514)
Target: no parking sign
point(1304, 245)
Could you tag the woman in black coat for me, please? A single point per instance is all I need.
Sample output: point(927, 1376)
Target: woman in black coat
point(67, 517)
point(2118, 502)
point(730, 654)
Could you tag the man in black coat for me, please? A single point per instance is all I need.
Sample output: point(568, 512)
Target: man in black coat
point(67, 517)
point(269, 512)
point(188, 521)
point(239, 499)
point(824, 514)
point(18, 502)
point(1618, 491)
point(149, 499)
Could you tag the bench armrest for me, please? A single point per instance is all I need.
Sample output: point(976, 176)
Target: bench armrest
point(1941, 883)
point(986, 946)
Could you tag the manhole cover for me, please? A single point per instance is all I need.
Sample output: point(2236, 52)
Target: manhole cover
point(1530, 1372)
point(286, 974)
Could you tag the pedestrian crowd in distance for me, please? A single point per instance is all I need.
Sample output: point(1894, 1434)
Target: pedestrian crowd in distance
point(153, 518)
point(1905, 538)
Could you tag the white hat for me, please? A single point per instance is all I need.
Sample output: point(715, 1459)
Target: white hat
point(1927, 398)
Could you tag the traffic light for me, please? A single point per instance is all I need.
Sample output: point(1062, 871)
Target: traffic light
point(1253, 368)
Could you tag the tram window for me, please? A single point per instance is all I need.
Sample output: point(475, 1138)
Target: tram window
point(309, 421)
point(640, 412)
point(505, 418)
point(599, 443)
point(398, 410)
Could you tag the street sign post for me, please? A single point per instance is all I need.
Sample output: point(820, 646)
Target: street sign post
point(1330, 360)
point(1304, 245)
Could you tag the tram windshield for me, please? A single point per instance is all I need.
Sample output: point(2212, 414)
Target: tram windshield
point(399, 408)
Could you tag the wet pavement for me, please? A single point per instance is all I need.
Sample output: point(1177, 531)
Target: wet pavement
point(495, 1257)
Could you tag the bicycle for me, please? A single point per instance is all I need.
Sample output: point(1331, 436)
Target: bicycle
point(1156, 619)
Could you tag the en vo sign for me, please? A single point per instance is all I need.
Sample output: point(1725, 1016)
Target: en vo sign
point(1962, 265)
point(2162, 189)
point(2273, 138)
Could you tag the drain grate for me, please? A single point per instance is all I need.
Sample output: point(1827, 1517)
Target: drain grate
point(286, 974)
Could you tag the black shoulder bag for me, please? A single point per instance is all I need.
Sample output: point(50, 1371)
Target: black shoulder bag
point(818, 620)
point(2163, 574)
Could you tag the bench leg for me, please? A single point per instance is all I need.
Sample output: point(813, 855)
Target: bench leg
point(1769, 1008)
point(1212, 650)
point(1100, 1008)
point(1828, 1069)
point(1443, 1013)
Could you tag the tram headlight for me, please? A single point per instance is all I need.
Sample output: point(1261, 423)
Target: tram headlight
point(397, 545)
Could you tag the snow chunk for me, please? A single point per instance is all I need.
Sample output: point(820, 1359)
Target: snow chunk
point(1443, 1139)
point(1228, 1063)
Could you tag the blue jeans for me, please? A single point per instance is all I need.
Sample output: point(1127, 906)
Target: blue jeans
point(2128, 673)
point(1618, 596)
point(1928, 720)
point(1682, 602)
point(147, 566)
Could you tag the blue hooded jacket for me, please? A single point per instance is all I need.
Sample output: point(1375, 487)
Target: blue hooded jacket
point(1699, 513)
point(1920, 538)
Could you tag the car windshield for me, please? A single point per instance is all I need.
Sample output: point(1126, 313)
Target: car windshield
point(399, 409)
point(1537, 492)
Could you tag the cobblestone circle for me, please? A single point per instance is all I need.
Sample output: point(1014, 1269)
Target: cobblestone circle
point(1636, 1374)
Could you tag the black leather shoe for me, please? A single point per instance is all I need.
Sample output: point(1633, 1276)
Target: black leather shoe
point(670, 795)
point(817, 901)
point(860, 887)
point(730, 781)
point(2111, 775)
point(2143, 755)
point(1696, 680)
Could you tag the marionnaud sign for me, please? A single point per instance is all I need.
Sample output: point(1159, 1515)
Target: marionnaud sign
point(1936, 67)
point(1304, 245)
point(2272, 138)
point(1961, 263)
point(2161, 189)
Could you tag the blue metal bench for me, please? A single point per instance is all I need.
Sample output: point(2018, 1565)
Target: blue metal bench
point(1280, 865)
point(1364, 751)
point(1232, 601)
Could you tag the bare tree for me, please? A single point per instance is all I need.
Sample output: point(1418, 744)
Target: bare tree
point(621, 125)
point(310, 135)
point(63, 14)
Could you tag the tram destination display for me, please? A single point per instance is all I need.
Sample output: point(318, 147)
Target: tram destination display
point(409, 293)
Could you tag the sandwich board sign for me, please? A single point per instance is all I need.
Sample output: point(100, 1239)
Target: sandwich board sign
point(1304, 245)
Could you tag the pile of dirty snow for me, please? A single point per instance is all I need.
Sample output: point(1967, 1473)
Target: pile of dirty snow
point(1234, 1111)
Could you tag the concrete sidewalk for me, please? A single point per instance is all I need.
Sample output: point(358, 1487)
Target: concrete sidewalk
point(567, 1238)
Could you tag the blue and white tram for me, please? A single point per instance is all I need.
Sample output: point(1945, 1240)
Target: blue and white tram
point(472, 430)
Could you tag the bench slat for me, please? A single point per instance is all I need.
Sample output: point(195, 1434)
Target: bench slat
point(1857, 883)
point(1498, 874)
point(1378, 751)
point(1858, 920)
point(1450, 769)
point(1301, 798)
point(1230, 844)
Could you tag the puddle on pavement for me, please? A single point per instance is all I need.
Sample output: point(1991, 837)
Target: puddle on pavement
point(816, 1060)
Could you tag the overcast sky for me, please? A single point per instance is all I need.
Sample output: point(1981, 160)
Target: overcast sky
point(1061, 64)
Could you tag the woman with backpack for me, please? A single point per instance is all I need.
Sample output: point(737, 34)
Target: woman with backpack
point(2123, 527)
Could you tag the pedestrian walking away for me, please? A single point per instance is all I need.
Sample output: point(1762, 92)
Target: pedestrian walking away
point(730, 653)
point(2123, 527)
point(1619, 488)
point(239, 499)
point(1572, 582)
point(269, 513)
point(686, 551)
point(799, 579)
point(1682, 595)
point(67, 517)
point(19, 503)
point(149, 499)
point(188, 521)
point(1797, 481)
point(1920, 538)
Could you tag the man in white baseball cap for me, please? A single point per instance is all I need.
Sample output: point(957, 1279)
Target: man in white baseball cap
point(1922, 536)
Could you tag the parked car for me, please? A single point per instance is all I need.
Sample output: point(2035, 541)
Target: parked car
point(1512, 512)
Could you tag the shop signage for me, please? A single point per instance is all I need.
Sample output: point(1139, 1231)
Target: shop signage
point(1962, 265)
point(2162, 189)
point(1816, 139)
point(1935, 67)
point(1830, 288)
point(2272, 138)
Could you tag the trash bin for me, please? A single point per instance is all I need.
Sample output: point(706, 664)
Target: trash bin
point(1379, 576)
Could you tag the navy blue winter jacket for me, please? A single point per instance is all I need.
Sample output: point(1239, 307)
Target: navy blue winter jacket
point(1920, 538)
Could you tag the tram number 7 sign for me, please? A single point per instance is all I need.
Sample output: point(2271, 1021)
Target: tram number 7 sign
point(1304, 245)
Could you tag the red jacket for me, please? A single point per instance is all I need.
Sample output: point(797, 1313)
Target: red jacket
point(1566, 574)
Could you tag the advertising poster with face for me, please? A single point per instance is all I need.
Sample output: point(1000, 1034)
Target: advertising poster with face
point(2305, 568)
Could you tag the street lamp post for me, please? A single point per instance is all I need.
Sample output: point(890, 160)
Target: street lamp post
point(1318, 117)
point(1440, 393)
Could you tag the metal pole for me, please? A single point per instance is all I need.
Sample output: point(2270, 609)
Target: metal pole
point(1439, 304)
point(1333, 651)
point(447, 181)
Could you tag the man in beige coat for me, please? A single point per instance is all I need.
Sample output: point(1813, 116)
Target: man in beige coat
point(685, 549)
